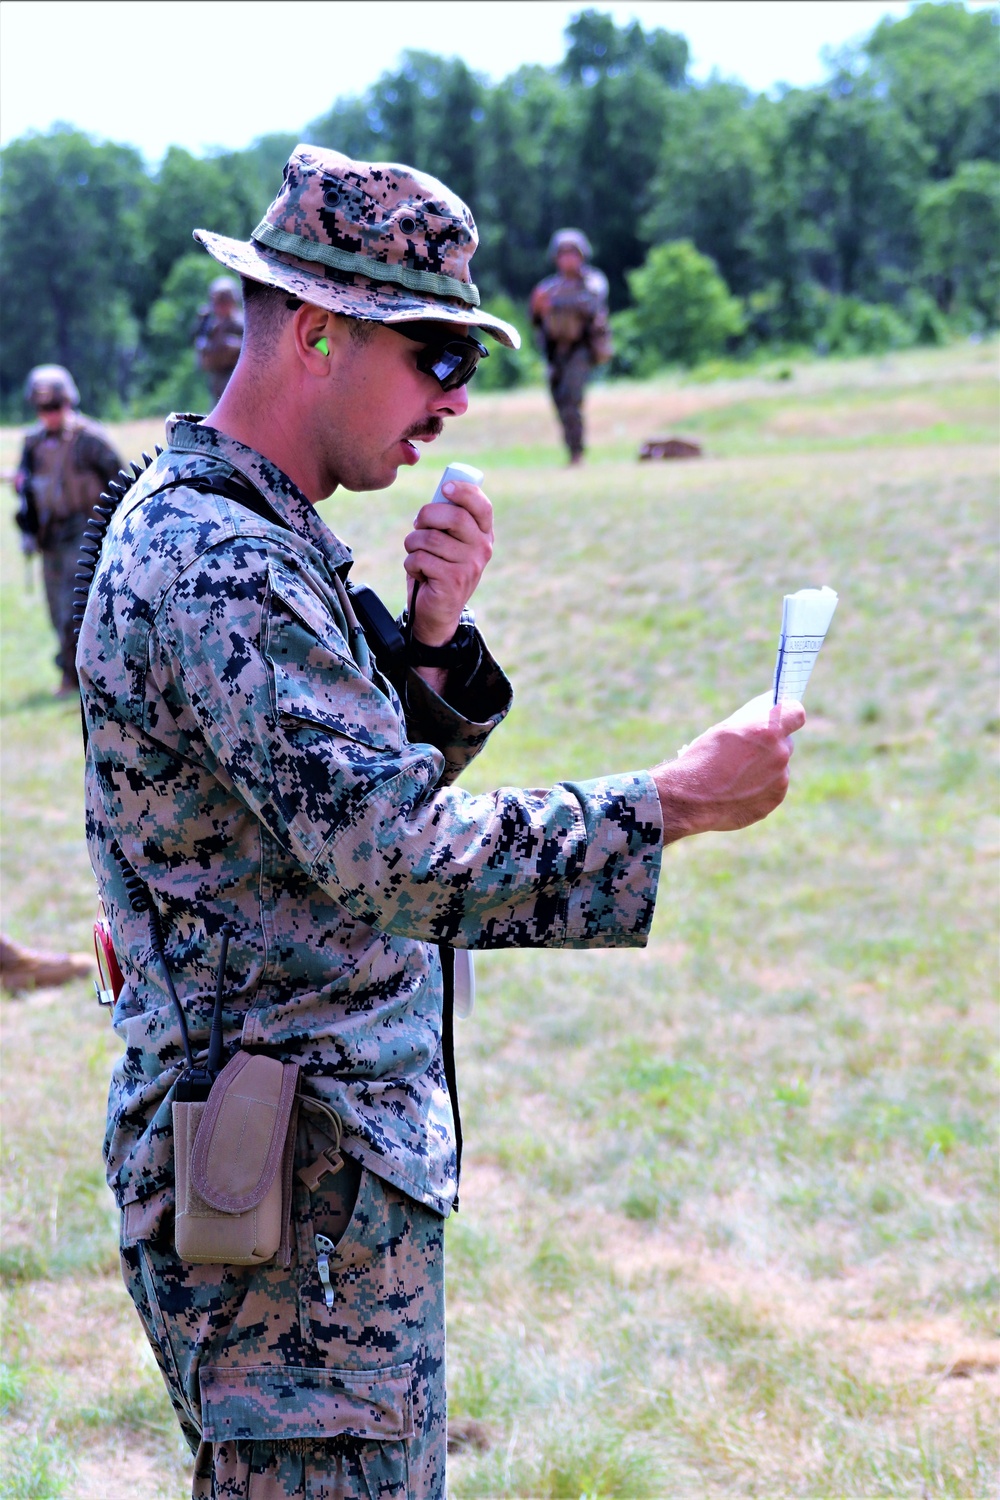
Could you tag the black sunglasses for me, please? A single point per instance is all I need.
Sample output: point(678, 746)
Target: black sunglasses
point(451, 360)
point(50, 406)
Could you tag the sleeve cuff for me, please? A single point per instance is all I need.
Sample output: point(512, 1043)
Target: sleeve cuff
point(459, 726)
point(611, 904)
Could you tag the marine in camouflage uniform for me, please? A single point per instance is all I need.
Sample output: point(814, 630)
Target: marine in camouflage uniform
point(570, 311)
point(259, 769)
point(218, 335)
point(65, 463)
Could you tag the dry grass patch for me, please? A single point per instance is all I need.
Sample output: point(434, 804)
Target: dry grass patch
point(86, 1413)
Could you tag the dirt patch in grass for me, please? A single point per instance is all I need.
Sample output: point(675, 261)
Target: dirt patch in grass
point(118, 1471)
point(896, 1349)
point(88, 1327)
point(937, 1347)
point(87, 1382)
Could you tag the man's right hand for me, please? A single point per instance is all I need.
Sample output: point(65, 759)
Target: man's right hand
point(732, 775)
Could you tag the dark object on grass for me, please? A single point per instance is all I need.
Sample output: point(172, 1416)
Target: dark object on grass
point(27, 969)
point(669, 448)
point(467, 1432)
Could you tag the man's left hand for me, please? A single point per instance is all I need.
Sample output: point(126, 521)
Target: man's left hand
point(447, 550)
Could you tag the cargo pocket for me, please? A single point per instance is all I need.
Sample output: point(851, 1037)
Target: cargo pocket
point(283, 1403)
point(385, 1469)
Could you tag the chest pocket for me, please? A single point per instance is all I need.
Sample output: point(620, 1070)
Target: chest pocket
point(315, 680)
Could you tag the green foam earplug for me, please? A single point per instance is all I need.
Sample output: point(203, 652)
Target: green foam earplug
point(322, 346)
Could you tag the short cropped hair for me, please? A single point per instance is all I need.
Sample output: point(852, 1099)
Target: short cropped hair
point(266, 309)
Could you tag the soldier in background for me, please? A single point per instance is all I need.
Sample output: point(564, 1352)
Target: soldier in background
point(66, 462)
point(218, 335)
point(570, 311)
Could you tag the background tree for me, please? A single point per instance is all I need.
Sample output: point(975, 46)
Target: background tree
point(71, 262)
point(710, 179)
point(682, 311)
point(577, 145)
point(528, 179)
point(190, 192)
point(431, 111)
point(857, 214)
point(847, 170)
point(597, 48)
point(960, 224)
point(170, 377)
point(939, 67)
point(622, 120)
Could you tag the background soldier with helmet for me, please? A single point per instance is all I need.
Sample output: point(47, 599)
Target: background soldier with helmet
point(65, 463)
point(570, 311)
point(218, 335)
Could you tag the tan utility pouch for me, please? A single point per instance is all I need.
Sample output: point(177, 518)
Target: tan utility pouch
point(233, 1158)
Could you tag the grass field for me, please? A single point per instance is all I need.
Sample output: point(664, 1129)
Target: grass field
point(729, 1212)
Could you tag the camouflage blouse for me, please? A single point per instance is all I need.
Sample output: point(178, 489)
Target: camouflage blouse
point(255, 771)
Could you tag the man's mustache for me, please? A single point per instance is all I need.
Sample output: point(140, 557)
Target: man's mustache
point(431, 428)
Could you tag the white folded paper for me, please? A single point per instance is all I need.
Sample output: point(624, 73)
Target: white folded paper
point(805, 619)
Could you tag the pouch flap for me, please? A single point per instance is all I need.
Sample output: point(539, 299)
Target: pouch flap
point(279, 1402)
point(238, 1147)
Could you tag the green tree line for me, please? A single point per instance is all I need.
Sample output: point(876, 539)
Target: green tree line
point(860, 214)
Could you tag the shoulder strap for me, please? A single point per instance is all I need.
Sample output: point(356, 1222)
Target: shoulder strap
point(232, 487)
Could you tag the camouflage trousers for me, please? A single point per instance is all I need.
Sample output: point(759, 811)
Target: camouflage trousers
point(280, 1395)
point(568, 375)
point(59, 563)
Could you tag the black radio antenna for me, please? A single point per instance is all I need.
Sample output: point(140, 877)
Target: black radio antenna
point(141, 901)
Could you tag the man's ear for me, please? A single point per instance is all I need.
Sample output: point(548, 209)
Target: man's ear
point(314, 334)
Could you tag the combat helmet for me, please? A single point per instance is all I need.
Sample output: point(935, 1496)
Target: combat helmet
point(51, 385)
point(224, 286)
point(573, 239)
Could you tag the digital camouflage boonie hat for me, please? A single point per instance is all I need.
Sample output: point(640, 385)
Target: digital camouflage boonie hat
point(370, 240)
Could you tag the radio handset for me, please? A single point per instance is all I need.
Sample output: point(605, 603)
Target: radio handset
point(457, 474)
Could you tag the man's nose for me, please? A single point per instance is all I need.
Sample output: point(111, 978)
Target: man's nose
point(453, 403)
